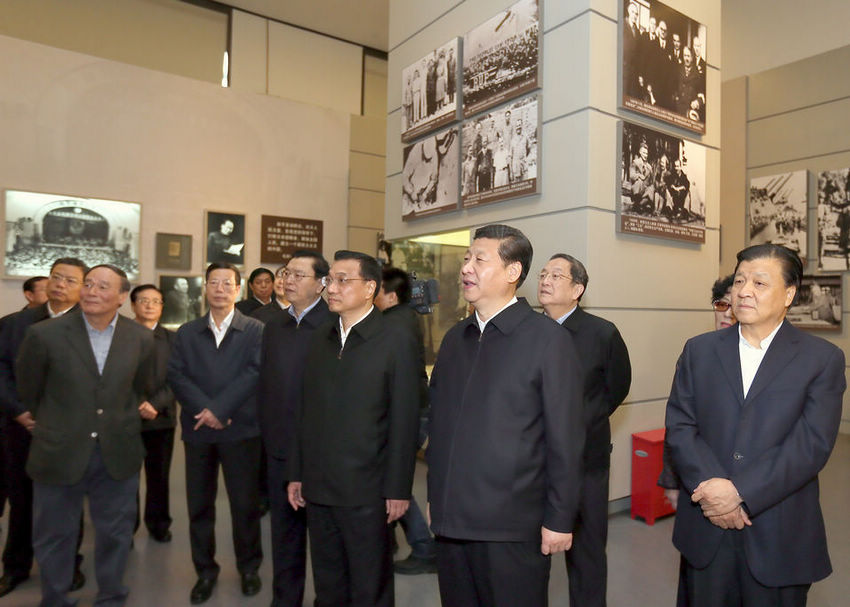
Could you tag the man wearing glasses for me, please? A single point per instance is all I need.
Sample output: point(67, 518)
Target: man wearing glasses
point(286, 339)
point(354, 450)
point(213, 372)
point(63, 293)
point(607, 376)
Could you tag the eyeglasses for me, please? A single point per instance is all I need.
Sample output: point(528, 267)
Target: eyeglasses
point(720, 305)
point(296, 276)
point(146, 300)
point(340, 281)
point(215, 283)
point(68, 280)
point(555, 277)
point(91, 285)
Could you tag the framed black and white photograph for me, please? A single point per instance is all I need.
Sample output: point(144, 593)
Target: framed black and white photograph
point(662, 185)
point(778, 211)
point(501, 153)
point(173, 251)
point(225, 237)
point(834, 220)
point(663, 66)
point(430, 175)
point(429, 91)
point(183, 297)
point(40, 228)
point(818, 304)
point(501, 57)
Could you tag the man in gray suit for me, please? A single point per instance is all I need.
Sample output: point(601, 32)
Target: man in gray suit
point(83, 377)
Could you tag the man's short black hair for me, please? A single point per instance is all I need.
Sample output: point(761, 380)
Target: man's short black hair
point(721, 286)
point(321, 267)
point(223, 265)
point(792, 266)
point(29, 283)
point(397, 281)
point(259, 271)
point(71, 261)
point(136, 290)
point(125, 282)
point(513, 246)
point(369, 267)
point(577, 270)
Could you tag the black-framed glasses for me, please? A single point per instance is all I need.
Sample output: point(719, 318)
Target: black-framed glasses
point(720, 306)
point(340, 281)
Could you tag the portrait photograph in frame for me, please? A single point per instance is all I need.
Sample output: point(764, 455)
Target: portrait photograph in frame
point(834, 220)
point(40, 228)
point(429, 177)
point(818, 304)
point(663, 68)
point(777, 211)
point(429, 91)
point(661, 185)
point(183, 299)
point(502, 57)
point(174, 251)
point(224, 237)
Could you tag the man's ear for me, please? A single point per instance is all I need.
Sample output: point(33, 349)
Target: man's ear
point(514, 271)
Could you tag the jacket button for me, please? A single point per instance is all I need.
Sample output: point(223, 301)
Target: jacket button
point(100, 411)
point(737, 456)
point(94, 434)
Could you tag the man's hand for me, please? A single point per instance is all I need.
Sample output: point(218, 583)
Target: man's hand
point(147, 411)
point(396, 509)
point(26, 420)
point(672, 496)
point(716, 496)
point(206, 418)
point(293, 492)
point(428, 513)
point(552, 542)
point(737, 519)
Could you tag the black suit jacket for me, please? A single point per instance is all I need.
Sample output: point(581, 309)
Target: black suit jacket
point(268, 312)
point(162, 398)
point(356, 437)
point(408, 320)
point(607, 377)
point(771, 445)
point(247, 306)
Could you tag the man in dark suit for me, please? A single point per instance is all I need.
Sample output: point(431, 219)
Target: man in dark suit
point(354, 452)
point(751, 419)
point(260, 289)
point(82, 377)
point(286, 339)
point(607, 377)
point(279, 305)
point(63, 293)
point(506, 436)
point(159, 415)
point(213, 372)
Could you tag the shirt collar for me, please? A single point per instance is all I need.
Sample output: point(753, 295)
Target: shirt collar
point(763, 344)
point(53, 314)
point(225, 324)
point(111, 324)
point(482, 324)
point(567, 315)
point(299, 317)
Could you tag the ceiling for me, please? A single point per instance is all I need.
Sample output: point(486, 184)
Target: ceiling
point(364, 22)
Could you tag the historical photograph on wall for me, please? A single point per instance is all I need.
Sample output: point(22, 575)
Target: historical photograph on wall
point(225, 237)
point(662, 185)
point(429, 91)
point(174, 251)
point(501, 153)
point(663, 68)
point(183, 298)
point(834, 220)
point(40, 228)
point(778, 211)
point(429, 179)
point(818, 303)
point(501, 57)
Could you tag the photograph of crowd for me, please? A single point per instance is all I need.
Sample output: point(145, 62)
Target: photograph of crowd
point(183, 298)
point(40, 228)
point(834, 220)
point(663, 66)
point(501, 58)
point(225, 237)
point(429, 91)
point(662, 191)
point(778, 211)
point(429, 179)
point(818, 304)
point(501, 153)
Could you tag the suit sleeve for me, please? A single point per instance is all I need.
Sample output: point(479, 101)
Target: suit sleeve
point(145, 380)
point(31, 368)
point(191, 397)
point(9, 402)
point(244, 385)
point(796, 460)
point(618, 372)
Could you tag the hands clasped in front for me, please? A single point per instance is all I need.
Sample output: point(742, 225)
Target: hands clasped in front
point(721, 504)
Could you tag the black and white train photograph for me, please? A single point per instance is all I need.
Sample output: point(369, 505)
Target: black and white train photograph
point(778, 212)
point(834, 220)
point(501, 57)
point(818, 304)
point(430, 175)
point(183, 298)
point(501, 153)
point(225, 239)
point(40, 228)
point(429, 91)
point(663, 66)
point(662, 185)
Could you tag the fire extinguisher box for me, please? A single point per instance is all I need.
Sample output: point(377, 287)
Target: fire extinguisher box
point(648, 500)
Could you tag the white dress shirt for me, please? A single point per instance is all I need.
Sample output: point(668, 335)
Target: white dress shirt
point(751, 356)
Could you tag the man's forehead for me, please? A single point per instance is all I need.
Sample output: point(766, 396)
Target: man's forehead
point(346, 266)
point(558, 262)
point(483, 245)
point(64, 268)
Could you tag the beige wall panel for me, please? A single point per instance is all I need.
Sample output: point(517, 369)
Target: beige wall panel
point(808, 132)
point(249, 48)
point(626, 420)
point(566, 67)
point(314, 69)
point(367, 171)
point(395, 147)
point(364, 240)
point(374, 94)
point(407, 18)
point(603, 63)
point(366, 209)
point(733, 173)
point(815, 80)
point(90, 127)
point(368, 134)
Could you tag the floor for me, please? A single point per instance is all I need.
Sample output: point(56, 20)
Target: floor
point(643, 564)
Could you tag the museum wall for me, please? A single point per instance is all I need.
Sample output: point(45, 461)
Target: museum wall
point(79, 125)
point(656, 291)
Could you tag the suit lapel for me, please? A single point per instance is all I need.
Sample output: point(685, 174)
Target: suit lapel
point(730, 361)
point(779, 355)
point(79, 340)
